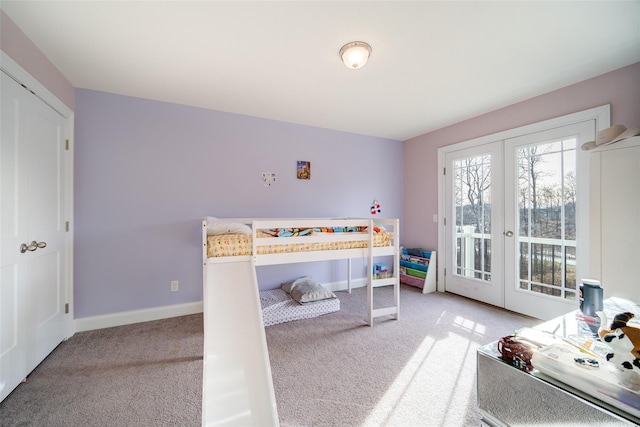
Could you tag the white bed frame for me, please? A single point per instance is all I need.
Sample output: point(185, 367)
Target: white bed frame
point(237, 383)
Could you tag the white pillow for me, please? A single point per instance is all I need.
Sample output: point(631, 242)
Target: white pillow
point(216, 226)
point(288, 286)
point(305, 290)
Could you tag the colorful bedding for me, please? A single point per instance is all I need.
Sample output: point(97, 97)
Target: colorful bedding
point(293, 232)
point(241, 244)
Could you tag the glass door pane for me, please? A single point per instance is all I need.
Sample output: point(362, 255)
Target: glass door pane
point(473, 231)
point(472, 188)
point(542, 219)
point(547, 218)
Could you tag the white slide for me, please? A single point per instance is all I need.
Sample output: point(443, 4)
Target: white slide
point(237, 383)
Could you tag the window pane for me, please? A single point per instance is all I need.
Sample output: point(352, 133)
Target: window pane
point(547, 218)
point(472, 189)
point(524, 260)
point(570, 265)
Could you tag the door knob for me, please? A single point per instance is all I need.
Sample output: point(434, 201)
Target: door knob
point(508, 233)
point(32, 246)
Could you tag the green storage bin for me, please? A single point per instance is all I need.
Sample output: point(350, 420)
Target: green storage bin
point(416, 273)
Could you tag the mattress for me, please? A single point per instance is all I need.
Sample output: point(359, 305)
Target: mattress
point(279, 307)
point(241, 244)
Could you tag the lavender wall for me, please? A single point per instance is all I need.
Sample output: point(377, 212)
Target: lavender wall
point(146, 172)
point(620, 88)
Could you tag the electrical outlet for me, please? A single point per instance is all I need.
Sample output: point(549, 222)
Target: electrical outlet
point(175, 285)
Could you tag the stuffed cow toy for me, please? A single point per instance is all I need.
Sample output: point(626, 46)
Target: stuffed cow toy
point(624, 340)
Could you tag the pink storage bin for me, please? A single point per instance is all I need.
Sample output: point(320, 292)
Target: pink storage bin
point(412, 281)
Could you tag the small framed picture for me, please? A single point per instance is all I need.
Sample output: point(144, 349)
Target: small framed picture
point(303, 171)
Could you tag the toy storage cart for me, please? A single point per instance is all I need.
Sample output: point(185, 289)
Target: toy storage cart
point(418, 271)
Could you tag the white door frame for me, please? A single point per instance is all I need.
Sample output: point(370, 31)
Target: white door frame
point(18, 73)
point(601, 115)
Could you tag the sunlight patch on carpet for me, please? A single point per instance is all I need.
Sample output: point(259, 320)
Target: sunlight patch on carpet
point(442, 366)
point(396, 394)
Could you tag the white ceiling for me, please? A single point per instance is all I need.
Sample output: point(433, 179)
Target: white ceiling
point(433, 63)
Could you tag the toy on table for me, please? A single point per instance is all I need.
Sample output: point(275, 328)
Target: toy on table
point(624, 340)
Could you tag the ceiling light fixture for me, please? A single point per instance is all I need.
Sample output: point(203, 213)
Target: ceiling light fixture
point(355, 54)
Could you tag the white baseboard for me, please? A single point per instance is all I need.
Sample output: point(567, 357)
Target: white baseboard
point(136, 316)
point(157, 313)
point(342, 285)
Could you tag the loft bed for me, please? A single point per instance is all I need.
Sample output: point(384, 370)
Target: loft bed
point(237, 383)
point(285, 241)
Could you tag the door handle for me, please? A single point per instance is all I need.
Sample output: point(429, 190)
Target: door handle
point(508, 233)
point(32, 246)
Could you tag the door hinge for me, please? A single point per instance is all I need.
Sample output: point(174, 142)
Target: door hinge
point(444, 220)
point(66, 308)
point(66, 145)
point(445, 272)
point(444, 171)
point(66, 226)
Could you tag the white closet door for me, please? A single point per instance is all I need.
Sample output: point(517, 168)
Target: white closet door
point(615, 221)
point(32, 287)
point(13, 283)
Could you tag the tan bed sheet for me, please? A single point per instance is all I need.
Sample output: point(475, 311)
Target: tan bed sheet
point(241, 244)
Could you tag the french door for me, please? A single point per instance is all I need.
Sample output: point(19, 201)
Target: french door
point(511, 220)
point(541, 220)
point(474, 220)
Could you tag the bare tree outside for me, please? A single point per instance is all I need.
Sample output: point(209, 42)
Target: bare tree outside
point(473, 216)
point(547, 218)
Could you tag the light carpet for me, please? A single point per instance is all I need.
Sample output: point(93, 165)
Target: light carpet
point(332, 370)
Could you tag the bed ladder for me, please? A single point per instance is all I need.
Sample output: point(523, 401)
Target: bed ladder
point(394, 281)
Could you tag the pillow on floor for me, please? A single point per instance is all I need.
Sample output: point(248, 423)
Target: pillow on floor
point(305, 289)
